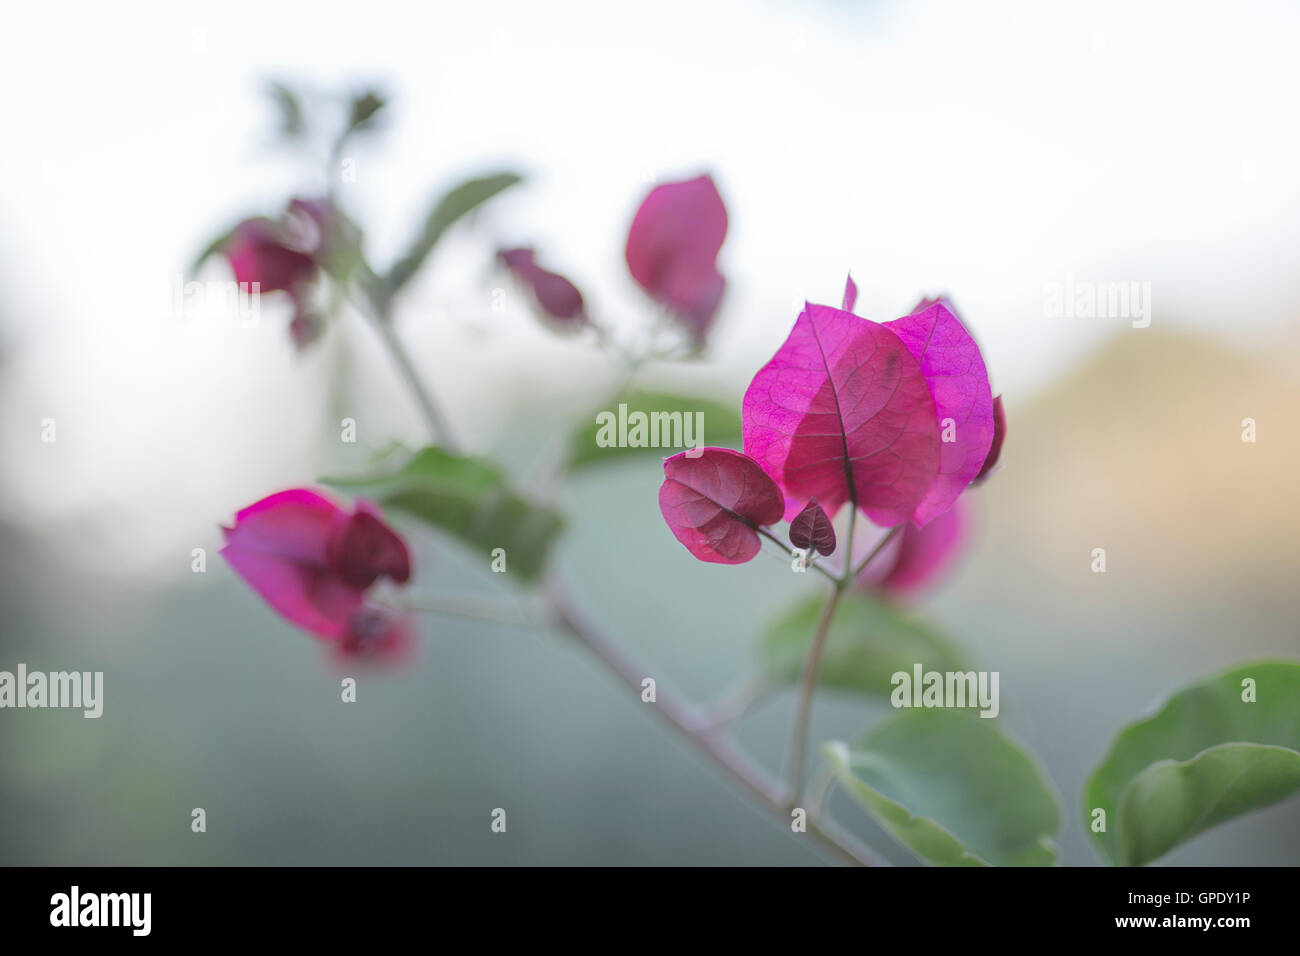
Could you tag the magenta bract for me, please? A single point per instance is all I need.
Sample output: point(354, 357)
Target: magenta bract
point(313, 224)
point(306, 326)
point(672, 250)
point(287, 255)
point(312, 561)
point(555, 296)
point(954, 370)
point(843, 413)
point(258, 253)
point(811, 528)
point(376, 636)
point(850, 294)
point(999, 433)
point(714, 503)
point(918, 557)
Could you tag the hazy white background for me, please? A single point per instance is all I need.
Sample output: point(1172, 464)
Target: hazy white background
point(982, 149)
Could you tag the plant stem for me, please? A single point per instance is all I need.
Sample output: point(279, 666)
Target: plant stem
point(472, 609)
point(433, 417)
point(812, 664)
point(880, 546)
point(786, 548)
point(816, 795)
point(846, 577)
point(706, 736)
point(807, 684)
point(801, 726)
point(738, 701)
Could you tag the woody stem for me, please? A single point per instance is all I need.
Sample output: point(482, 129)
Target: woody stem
point(880, 546)
point(429, 410)
point(706, 735)
point(801, 726)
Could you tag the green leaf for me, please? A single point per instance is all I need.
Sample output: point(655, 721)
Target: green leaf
point(1171, 801)
point(869, 641)
point(210, 250)
point(363, 108)
point(666, 419)
point(1205, 757)
point(345, 257)
point(952, 789)
point(289, 105)
point(462, 200)
point(468, 498)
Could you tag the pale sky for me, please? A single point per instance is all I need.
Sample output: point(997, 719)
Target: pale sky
point(979, 149)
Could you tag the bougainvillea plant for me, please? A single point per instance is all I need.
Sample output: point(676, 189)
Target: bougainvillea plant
point(861, 439)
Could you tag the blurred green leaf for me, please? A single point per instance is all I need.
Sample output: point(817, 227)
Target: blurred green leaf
point(869, 641)
point(343, 256)
point(469, 499)
point(363, 109)
point(210, 250)
point(1171, 801)
point(292, 124)
point(721, 426)
point(1205, 757)
point(462, 200)
point(952, 789)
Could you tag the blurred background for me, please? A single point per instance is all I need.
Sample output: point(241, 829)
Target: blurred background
point(988, 151)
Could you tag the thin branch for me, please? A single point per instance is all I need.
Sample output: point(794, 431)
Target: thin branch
point(470, 608)
point(738, 701)
point(817, 791)
point(801, 725)
point(880, 546)
point(433, 417)
point(786, 548)
point(711, 741)
point(807, 684)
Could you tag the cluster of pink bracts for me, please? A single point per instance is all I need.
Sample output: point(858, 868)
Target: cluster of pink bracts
point(672, 253)
point(286, 255)
point(316, 563)
point(896, 418)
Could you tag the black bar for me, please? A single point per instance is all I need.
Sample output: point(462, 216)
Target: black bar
point(372, 904)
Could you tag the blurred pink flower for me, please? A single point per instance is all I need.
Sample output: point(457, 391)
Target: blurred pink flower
point(286, 255)
point(555, 296)
point(376, 636)
point(314, 562)
point(672, 250)
point(306, 326)
point(917, 557)
point(314, 224)
point(258, 252)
